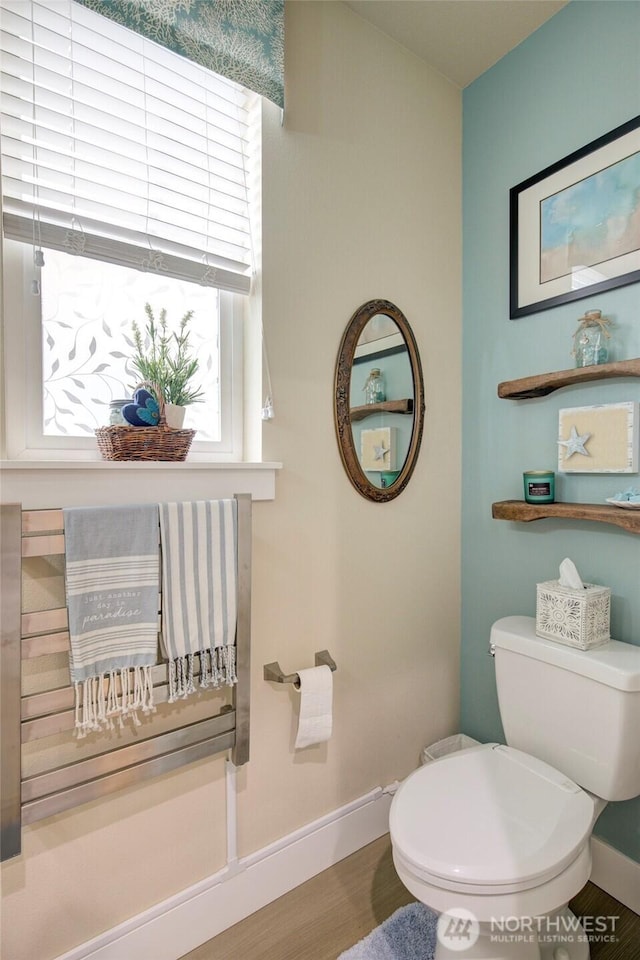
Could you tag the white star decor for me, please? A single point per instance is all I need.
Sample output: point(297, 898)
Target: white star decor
point(380, 452)
point(601, 438)
point(575, 444)
point(378, 449)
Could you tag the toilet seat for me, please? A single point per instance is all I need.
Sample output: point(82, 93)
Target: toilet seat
point(489, 818)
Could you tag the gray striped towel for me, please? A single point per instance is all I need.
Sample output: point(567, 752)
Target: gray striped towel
point(112, 580)
point(199, 603)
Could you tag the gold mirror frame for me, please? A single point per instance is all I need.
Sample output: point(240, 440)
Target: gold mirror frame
point(342, 407)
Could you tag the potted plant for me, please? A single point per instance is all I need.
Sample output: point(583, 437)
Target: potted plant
point(166, 360)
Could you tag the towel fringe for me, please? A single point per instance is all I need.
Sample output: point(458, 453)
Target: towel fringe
point(217, 667)
point(118, 694)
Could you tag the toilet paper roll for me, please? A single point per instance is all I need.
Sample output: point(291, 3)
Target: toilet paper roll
point(316, 706)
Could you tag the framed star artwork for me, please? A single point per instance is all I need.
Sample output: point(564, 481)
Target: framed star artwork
point(378, 449)
point(599, 439)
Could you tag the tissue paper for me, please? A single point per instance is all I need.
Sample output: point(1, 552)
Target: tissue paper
point(569, 576)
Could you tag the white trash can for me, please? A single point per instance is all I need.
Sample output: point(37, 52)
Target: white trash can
point(459, 741)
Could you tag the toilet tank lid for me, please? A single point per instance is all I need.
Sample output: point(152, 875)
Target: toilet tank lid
point(614, 663)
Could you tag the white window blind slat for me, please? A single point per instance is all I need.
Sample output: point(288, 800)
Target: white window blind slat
point(172, 190)
point(130, 176)
point(117, 148)
point(91, 127)
point(110, 94)
point(146, 220)
point(107, 168)
point(108, 57)
point(147, 252)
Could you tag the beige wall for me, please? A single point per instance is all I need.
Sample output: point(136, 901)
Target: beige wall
point(362, 198)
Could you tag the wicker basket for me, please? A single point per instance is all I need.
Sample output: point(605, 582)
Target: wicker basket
point(144, 443)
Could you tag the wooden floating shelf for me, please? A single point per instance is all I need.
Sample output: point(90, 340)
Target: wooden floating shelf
point(541, 385)
point(603, 513)
point(388, 406)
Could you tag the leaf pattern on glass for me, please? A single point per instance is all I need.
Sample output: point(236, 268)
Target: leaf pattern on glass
point(88, 366)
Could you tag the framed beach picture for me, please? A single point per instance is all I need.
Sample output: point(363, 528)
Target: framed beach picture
point(575, 226)
point(379, 338)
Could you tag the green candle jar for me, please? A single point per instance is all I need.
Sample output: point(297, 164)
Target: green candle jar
point(539, 486)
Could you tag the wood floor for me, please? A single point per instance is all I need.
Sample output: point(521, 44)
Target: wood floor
point(332, 911)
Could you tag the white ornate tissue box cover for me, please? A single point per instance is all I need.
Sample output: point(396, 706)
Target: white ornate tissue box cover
point(578, 618)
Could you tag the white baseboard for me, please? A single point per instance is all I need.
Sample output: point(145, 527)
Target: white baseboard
point(181, 923)
point(616, 874)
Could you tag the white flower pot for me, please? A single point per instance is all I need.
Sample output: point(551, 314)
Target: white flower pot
point(174, 415)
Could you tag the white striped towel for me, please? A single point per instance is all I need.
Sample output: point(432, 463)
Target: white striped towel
point(112, 580)
point(199, 583)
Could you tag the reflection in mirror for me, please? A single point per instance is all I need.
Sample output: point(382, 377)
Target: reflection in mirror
point(379, 400)
point(381, 380)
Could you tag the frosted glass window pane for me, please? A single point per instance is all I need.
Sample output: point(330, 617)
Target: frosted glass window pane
point(87, 310)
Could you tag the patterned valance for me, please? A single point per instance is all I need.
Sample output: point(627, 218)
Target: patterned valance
point(242, 40)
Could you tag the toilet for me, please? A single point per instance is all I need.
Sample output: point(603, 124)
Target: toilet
point(495, 837)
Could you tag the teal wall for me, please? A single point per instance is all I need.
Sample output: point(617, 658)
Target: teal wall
point(575, 79)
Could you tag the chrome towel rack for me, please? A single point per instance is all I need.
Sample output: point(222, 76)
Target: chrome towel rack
point(25, 717)
point(274, 672)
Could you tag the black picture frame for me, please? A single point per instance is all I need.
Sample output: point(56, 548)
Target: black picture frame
point(564, 201)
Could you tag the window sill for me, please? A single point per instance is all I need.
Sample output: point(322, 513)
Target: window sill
point(41, 484)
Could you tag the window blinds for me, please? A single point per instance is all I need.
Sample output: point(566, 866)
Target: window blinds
point(118, 149)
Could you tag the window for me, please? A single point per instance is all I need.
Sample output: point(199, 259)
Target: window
point(125, 172)
point(84, 361)
point(67, 351)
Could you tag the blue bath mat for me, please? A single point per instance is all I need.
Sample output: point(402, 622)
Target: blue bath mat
point(408, 934)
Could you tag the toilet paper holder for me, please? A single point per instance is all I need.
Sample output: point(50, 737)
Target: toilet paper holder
point(273, 671)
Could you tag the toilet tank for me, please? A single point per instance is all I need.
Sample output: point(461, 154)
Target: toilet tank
point(578, 710)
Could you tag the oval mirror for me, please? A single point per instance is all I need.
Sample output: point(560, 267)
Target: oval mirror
point(379, 400)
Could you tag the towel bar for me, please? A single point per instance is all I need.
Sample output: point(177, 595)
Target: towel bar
point(273, 671)
point(26, 716)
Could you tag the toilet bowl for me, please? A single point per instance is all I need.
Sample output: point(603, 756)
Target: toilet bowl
point(501, 833)
point(494, 832)
point(490, 821)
